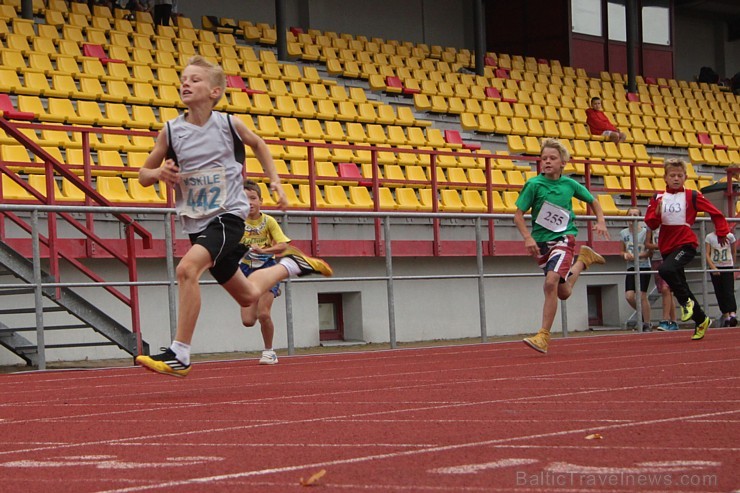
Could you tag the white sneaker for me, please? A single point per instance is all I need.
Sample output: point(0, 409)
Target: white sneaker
point(268, 358)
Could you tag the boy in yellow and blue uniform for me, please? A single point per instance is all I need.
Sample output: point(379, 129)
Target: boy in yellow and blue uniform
point(265, 240)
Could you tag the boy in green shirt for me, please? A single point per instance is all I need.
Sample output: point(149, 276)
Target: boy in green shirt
point(552, 240)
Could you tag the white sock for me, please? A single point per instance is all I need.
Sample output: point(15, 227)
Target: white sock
point(182, 351)
point(291, 266)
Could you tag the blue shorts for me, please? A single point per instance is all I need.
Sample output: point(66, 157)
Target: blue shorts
point(247, 270)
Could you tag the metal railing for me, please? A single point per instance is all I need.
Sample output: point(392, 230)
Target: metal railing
point(391, 279)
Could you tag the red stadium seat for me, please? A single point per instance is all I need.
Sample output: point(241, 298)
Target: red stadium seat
point(493, 93)
point(9, 111)
point(97, 51)
point(453, 137)
point(236, 82)
point(393, 84)
point(704, 139)
point(351, 171)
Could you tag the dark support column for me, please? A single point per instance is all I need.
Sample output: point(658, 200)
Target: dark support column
point(280, 27)
point(479, 20)
point(632, 32)
point(27, 9)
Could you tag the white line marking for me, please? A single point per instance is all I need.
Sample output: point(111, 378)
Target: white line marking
point(678, 466)
point(444, 448)
point(108, 462)
point(681, 463)
point(474, 468)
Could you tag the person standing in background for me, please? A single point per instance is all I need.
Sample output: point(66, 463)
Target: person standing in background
point(721, 259)
point(633, 240)
point(162, 12)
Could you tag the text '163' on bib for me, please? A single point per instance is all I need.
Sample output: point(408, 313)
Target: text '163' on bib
point(673, 209)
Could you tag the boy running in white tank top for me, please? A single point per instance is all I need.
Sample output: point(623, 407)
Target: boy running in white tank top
point(202, 159)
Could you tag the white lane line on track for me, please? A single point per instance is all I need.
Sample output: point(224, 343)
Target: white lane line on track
point(149, 438)
point(374, 457)
point(474, 468)
point(205, 369)
point(455, 404)
point(426, 445)
point(369, 356)
point(178, 390)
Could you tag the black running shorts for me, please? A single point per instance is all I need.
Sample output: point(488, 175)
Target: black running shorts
point(222, 239)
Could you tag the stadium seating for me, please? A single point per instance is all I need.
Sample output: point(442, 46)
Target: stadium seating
point(518, 98)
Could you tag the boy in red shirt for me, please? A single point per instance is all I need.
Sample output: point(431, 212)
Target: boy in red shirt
point(674, 211)
point(599, 123)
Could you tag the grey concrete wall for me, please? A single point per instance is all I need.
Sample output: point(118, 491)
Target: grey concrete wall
point(420, 21)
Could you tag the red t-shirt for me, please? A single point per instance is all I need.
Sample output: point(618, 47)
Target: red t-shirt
point(598, 122)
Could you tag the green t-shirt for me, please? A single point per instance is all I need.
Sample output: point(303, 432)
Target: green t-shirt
point(558, 192)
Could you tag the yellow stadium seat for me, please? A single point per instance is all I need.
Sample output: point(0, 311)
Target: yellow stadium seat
point(113, 189)
point(336, 197)
point(360, 198)
point(387, 202)
point(450, 201)
point(305, 195)
point(407, 199)
point(710, 157)
point(13, 191)
point(510, 198)
point(579, 207)
point(473, 201)
point(457, 177)
point(143, 194)
point(39, 183)
point(609, 206)
point(71, 192)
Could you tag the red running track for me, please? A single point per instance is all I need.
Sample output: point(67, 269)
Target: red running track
point(477, 418)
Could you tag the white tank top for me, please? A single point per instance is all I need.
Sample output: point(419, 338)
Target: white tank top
point(211, 160)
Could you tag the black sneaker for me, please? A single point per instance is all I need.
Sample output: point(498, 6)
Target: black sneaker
point(165, 363)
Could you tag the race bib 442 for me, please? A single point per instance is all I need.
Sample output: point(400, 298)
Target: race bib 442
point(204, 192)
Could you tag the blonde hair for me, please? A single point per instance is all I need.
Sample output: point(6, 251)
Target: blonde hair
point(674, 162)
point(558, 146)
point(216, 74)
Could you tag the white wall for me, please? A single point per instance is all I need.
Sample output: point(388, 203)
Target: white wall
point(424, 309)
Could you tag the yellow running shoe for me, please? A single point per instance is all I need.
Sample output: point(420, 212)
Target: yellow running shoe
point(588, 256)
point(308, 265)
point(687, 310)
point(539, 341)
point(165, 363)
point(701, 329)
